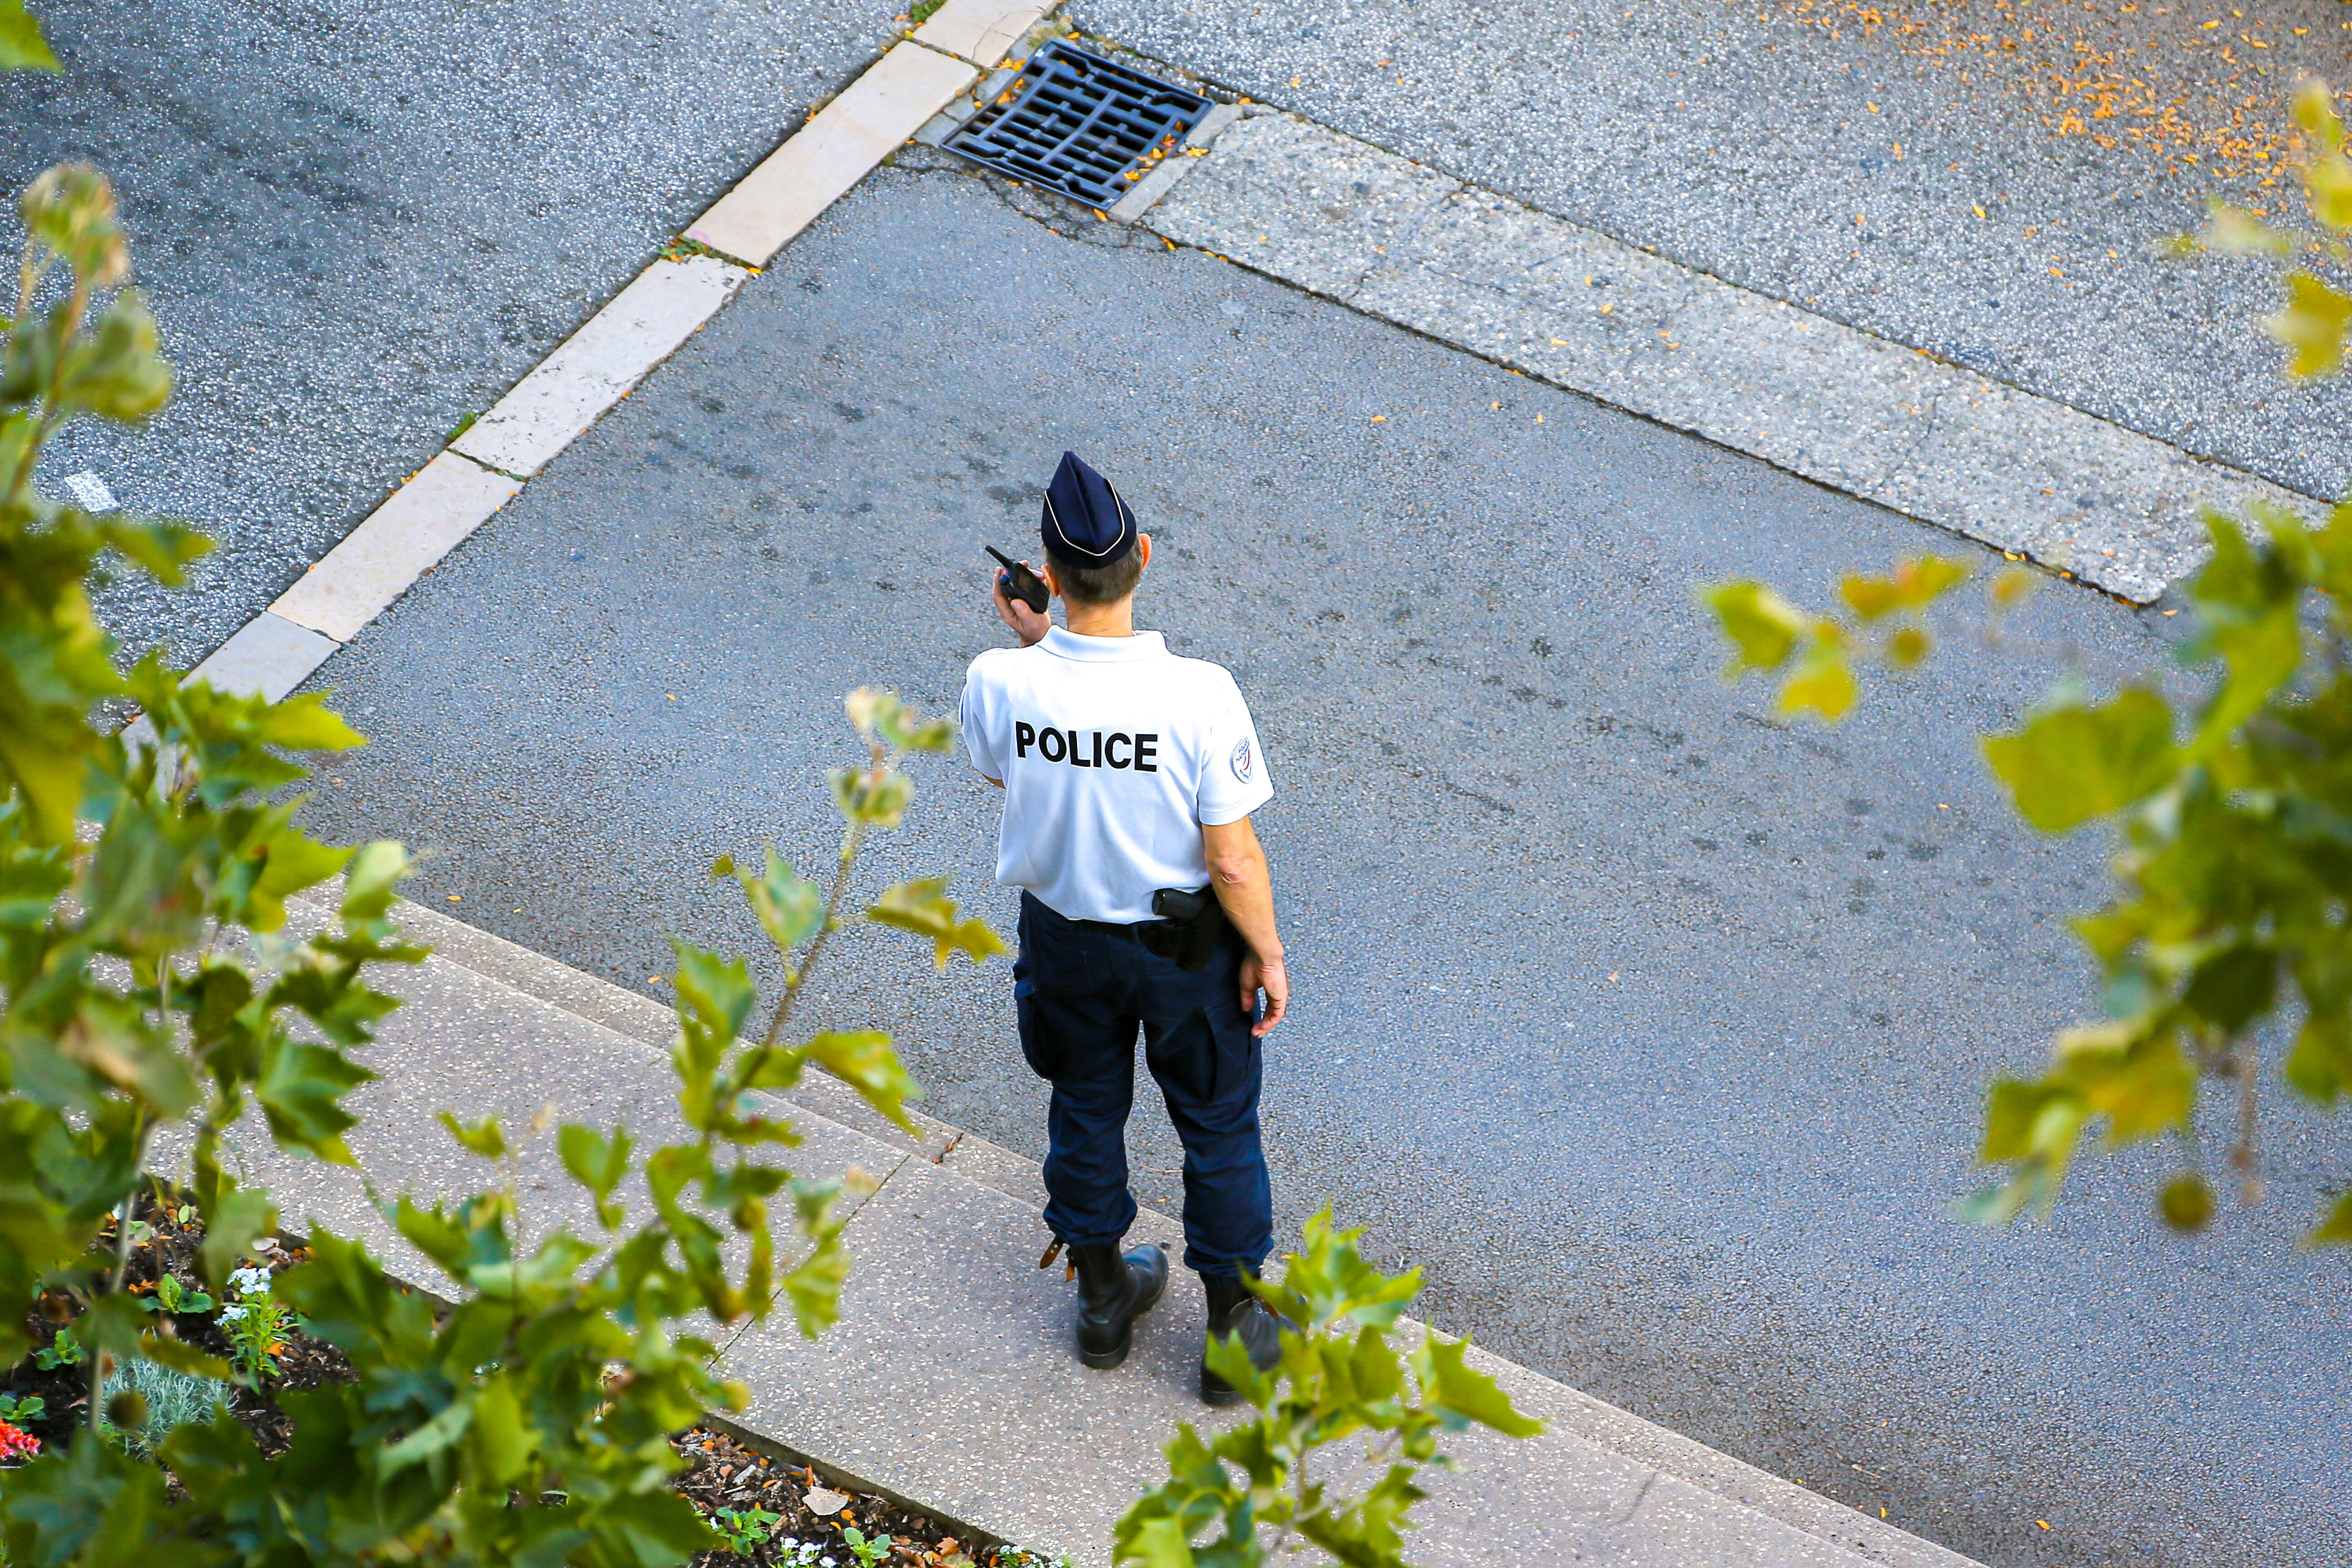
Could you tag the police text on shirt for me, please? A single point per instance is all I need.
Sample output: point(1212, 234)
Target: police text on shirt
point(1064, 746)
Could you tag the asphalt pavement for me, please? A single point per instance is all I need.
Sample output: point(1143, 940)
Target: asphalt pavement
point(357, 224)
point(1654, 1030)
point(1993, 181)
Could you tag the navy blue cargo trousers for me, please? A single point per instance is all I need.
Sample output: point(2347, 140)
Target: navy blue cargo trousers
point(1082, 990)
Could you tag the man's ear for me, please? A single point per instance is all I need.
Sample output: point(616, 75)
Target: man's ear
point(1143, 550)
point(1047, 572)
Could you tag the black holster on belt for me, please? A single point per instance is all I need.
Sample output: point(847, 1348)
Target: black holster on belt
point(1191, 923)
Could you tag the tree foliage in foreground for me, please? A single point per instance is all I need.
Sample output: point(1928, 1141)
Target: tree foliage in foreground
point(148, 982)
point(1343, 1394)
point(2234, 906)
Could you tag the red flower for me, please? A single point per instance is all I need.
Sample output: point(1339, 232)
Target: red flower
point(16, 1444)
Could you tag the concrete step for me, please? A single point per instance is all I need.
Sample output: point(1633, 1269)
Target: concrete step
point(948, 1380)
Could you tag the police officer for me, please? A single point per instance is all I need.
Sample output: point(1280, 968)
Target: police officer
point(1129, 777)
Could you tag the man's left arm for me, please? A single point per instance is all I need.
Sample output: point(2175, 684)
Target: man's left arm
point(1244, 886)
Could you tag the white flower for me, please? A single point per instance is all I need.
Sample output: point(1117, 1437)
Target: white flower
point(251, 1281)
point(231, 1314)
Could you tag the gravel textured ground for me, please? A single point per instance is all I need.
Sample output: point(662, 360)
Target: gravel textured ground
point(360, 223)
point(1985, 179)
point(1655, 1031)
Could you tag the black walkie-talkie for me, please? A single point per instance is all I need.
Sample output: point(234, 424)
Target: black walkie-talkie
point(1020, 583)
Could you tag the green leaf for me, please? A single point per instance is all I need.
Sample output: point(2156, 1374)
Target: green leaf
point(875, 795)
point(2073, 763)
point(70, 209)
point(233, 1222)
point(1453, 1384)
point(1762, 626)
point(500, 1441)
point(864, 1061)
point(2314, 108)
point(1330, 1280)
point(433, 1436)
point(714, 995)
point(2231, 988)
point(301, 1090)
point(2311, 326)
point(597, 1164)
point(2138, 1079)
point(2327, 180)
point(2320, 1066)
point(1908, 647)
point(1158, 1543)
point(305, 723)
point(790, 907)
point(90, 1506)
point(1823, 684)
point(2336, 1230)
point(371, 881)
point(923, 907)
point(22, 47)
point(2234, 231)
point(484, 1137)
point(868, 707)
point(2247, 605)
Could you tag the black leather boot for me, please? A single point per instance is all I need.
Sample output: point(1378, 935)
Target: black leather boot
point(1113, 1291)
point(1234, 1311)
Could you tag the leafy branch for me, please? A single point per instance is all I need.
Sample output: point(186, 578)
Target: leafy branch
point(147, 983)
point(1340, 1384)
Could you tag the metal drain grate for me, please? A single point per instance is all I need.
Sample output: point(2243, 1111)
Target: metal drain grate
point(1079, 124)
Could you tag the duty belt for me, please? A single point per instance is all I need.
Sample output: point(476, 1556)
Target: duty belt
point(1191, 923)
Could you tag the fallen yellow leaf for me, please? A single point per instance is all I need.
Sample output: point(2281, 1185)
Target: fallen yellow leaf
point(1379, 419)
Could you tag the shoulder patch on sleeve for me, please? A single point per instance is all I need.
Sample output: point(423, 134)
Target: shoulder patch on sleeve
point(1243, 761)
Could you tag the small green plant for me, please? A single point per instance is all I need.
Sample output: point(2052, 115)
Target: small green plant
point(172, 1298)
point(18, 1409)
point(744, 1530)
point(869, 1549)
point(63, 1351)
point(256, 1323)
point(1339, 1385)
point(146, 1402)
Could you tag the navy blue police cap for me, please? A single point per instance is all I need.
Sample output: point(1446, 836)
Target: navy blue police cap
point(1085, 522)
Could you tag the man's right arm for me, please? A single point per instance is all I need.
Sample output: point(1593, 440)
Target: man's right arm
point(1238, 871)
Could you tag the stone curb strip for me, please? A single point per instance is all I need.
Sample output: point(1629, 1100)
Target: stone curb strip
point(948, 1380)
point(599, 365)
point(1539, 294)
point(439, 506)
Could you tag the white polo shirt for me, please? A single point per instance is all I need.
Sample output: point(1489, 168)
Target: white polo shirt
point(1113, 751)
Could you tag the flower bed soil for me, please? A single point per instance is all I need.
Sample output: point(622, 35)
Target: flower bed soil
point(170, 1248)
point(722, 1473)
point(718, 1473)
